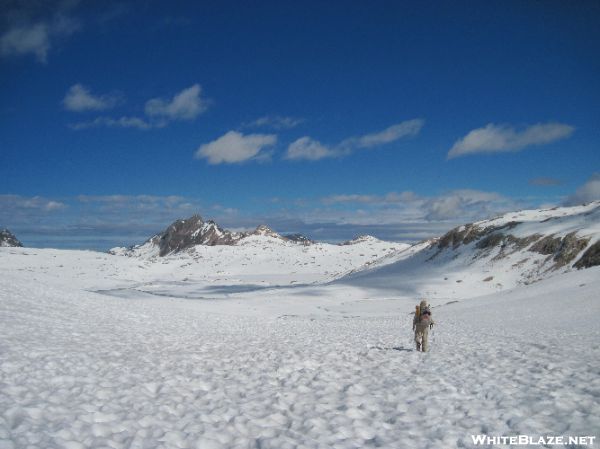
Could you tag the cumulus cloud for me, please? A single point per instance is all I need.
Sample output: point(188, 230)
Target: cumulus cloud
point(590, 191)
point(307, 148)
point(31, 29)
point(234, 147)
point(79, 99)
point(185, 105)
point(274, 122)
point(504, 138)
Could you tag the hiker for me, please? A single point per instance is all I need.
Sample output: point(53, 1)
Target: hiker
point(422, 322)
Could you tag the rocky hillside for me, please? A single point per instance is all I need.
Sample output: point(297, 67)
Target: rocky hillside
point(7, 238)
point(565, 237)
point(514, 249)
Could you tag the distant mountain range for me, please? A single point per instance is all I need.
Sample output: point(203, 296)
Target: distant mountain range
point(190, 232)
point(7, 238)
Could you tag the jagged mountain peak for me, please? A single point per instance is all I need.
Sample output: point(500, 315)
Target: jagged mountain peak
point(186, 233)
point(7, 238)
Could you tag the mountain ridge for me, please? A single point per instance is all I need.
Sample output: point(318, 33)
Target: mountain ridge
point(187, 233)
point(516, 248)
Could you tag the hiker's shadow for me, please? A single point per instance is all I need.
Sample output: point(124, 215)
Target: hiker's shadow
point(394, 348)
point(402, 349)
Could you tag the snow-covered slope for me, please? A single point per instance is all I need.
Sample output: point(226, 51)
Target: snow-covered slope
point(514, 249)
point(328, 366)
point(257, 260)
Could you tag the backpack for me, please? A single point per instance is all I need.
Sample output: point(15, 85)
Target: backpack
point(420, 311)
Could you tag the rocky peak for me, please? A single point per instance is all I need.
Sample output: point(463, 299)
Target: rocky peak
point(187, 233)
point(264, 230)
point(183, 234)
point(7, 238)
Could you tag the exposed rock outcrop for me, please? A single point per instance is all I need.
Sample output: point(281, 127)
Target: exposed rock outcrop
point(499, 239)
point(7, 238)
point(183, 234)
point(299, 238)
point(590, 258)
point(564, 249)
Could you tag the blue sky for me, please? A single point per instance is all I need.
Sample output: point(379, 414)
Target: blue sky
point(398, 119)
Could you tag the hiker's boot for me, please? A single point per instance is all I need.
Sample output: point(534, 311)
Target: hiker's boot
point(418, 346)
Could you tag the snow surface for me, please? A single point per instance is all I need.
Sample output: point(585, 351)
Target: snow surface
point(208, 349)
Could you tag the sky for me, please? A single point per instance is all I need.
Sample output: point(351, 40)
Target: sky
point(332, 119)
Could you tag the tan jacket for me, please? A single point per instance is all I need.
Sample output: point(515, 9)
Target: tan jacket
point(420, 323)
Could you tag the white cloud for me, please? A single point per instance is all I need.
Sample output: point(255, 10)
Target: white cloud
point(313, 150)
point(388, 135)
point(121, 122)
point(309, 149)
point(28, 39)
point(34, 37)
point(466, 203)
point(275, 122)
point(234, 147)
point(79, 99)
point(502, 138)
point(186, 105)
point(590, 191)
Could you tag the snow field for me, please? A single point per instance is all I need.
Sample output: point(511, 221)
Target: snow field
point(82, 370)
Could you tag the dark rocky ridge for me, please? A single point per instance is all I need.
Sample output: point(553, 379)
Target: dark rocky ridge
point(7, 238)
point(561, 250)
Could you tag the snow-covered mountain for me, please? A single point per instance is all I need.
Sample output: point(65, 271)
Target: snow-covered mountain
point(513, 249)
point(194, 233)
point(8, 239)
point(182, 235)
